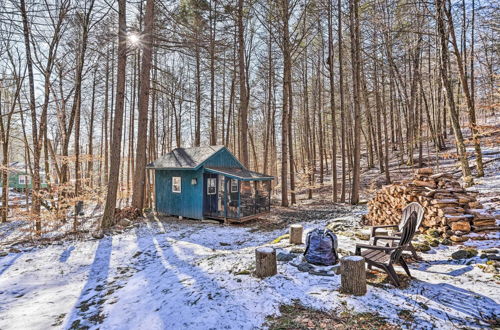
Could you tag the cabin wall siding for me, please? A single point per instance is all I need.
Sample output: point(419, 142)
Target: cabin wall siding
point(188, 203)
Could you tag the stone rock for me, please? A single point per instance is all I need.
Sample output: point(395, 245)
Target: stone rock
point(493, 257)
point(297, 250)
point(14, 250)
point(458, 239)
point(3, 254)
point(432, 241)
point(282, 256)
point(432, 232)
point(304, 267)
point(422, 247)
point(224, 244)
point(336, 226)
point(489, 269)
point(461, 226)
point(464, 254)
point(446, 241)
point(362, 236)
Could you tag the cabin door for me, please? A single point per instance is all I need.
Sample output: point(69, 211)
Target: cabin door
point(210, 193)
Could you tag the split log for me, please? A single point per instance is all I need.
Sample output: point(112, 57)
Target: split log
point(430, 184)
point(296, 234)
point(353, 278)
point(463, 226)
point(425, 170)
point(265, 262)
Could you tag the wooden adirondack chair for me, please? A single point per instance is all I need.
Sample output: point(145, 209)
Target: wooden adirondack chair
point(412, 207)
point(385, 257)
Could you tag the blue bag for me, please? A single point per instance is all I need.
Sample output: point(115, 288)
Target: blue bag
point(321, 247)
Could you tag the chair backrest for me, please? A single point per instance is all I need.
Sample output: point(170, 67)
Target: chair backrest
point(412, 207)
point(407, 233)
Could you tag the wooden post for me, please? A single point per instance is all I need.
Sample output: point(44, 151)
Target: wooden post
point(265, 262)
point(296, 234)
point(353, 278)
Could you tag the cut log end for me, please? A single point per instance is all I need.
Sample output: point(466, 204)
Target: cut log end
point(353, 278)
point(296, 232)
point(265, 262)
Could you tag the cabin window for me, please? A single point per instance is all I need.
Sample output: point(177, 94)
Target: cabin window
point(234, 185)
point(176, 184)
point(211, 186)
point(22, 179)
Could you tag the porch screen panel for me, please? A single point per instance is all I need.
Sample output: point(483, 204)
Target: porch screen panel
point(262, 196)
point(247, 198)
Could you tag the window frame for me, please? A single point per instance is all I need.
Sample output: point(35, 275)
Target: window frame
point(234, 189)
point(179, 183)
point(214, 186)
point(22, 176)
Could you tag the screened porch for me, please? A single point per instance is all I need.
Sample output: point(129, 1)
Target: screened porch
point(235, 194)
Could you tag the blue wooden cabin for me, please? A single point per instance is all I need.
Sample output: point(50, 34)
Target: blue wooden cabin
point(209, 182)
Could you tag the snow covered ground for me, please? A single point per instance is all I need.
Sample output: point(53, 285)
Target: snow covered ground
point(192, 275)
point(189, 275)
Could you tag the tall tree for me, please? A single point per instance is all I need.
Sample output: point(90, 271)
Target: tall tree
point(146, 43)
point(355, 62)
point(114, 170)
point(332, 99)
point(443, 67)
point(471, 109)
point(36, 132)
point(243, 85)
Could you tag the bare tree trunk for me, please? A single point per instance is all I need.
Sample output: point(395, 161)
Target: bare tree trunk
point(332, 98)
point(35, 195)
point(213, 22)
point(90, 162)
point(77, 102)
point(243, 87)
point(471, 110)
point(197, 133)
point(114, 172)
point(286, 91)
point(459, 140)
point(145, 81)
point(342, 107)
point(355, 51)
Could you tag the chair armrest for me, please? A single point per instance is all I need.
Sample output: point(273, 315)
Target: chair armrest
point(372, 247)
point(385, 226)
point(392, 238)
point(374, 228)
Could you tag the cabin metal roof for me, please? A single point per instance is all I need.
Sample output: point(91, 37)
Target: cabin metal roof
point(185, 158)
point(239, 173)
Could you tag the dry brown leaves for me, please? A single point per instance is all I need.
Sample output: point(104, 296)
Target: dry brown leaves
point(297, 316)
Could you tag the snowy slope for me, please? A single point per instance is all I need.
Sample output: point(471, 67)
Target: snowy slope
point(167, 275)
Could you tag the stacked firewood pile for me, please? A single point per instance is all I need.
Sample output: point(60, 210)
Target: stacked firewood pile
point(448, 206)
